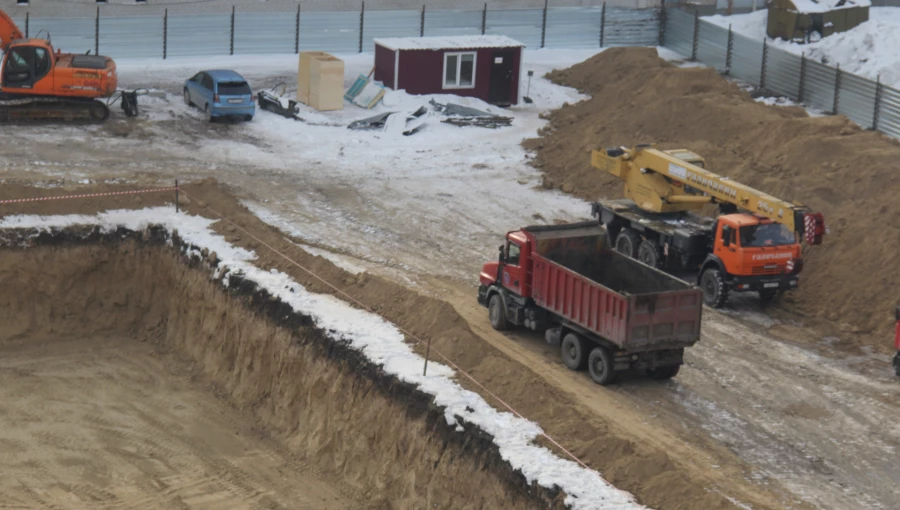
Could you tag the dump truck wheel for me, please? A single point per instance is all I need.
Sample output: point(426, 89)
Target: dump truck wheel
point(715, 292)
point(648, 253)
point(497, 313)
point(627, 242)
point(666, 372)
point(601, 366)
point(574, 352)
point(767, 295)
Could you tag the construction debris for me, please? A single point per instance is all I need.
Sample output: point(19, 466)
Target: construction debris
point(465, 116)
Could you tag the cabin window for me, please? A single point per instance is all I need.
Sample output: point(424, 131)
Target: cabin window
point(459, 70)
point(512, 257)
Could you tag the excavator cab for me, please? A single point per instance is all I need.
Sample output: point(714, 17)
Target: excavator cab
point(25, 65)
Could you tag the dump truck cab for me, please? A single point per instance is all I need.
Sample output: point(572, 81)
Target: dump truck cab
point(508, 271)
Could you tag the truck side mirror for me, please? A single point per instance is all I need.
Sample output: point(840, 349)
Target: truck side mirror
point(726, 235)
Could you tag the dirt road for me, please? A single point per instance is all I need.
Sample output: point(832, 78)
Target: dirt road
point(111, 423)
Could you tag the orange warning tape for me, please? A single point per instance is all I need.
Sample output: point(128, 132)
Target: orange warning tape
point(64, 197)
point(407, 333)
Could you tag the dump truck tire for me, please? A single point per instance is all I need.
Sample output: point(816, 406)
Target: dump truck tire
point(497, 313)
point(574, 352)
point(601, 366)
point(627, 242)
point(662, 373)
point(715, 292)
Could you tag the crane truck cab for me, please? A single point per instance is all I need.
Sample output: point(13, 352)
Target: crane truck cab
point(750, 254)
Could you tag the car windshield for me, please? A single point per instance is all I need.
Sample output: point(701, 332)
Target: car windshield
point(772, 234)
point(234, 88)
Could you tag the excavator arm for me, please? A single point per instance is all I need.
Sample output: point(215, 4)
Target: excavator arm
point(675, 180)
point(9, 32)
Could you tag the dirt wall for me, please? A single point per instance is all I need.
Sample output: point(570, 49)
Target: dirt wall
point(827, 163)
point(322, 399)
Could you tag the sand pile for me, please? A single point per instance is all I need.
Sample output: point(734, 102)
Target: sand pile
point(827, 163)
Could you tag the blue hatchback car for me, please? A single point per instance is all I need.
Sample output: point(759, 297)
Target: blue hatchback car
point(220, 94)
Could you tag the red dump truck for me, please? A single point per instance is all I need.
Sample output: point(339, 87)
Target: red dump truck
point(607, 311)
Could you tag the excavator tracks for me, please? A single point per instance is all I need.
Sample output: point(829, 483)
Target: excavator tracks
point(15, 110)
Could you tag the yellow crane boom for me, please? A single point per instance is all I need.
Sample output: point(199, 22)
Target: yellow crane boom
point(676, 180)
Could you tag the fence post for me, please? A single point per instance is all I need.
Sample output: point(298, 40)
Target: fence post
point(728, 50)
point(176, 195)
point(26, 24)
point(484, 19)
point(165, 32)
point(422, 23)
point(877, 102)
point(696, 35)
point(662, 22)
point(802, 76)
point(837, 90)
point(362, 24)
point(602, 24)
point(544, 24)
point(97, 33)
point(762, 71)
point(297, 31)
point(231, 50)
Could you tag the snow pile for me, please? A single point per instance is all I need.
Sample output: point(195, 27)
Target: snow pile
point(868, 50)
point(382, 343)
point(814, 6)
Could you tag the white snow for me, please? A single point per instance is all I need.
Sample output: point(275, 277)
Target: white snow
point(370, 194)
point(869, 50)
point(448, 42)
point(816, 6)
point(382, 343)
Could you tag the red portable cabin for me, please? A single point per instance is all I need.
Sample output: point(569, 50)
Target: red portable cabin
point(482, 66)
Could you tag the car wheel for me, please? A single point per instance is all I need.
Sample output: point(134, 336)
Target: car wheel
point(187, 97)
point(209, 115)
point(248, 118)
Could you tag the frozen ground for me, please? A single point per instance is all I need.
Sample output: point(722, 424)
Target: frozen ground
point(868, 50)
point(436, 204)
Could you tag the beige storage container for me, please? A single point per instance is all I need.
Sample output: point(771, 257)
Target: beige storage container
point(320, 81)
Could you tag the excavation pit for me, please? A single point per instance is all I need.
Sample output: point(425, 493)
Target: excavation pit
point(132, 377)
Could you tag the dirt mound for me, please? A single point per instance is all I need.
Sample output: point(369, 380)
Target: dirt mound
point(827, 163)
point(310, 406)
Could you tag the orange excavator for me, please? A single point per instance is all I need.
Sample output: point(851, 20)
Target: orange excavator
point(37, 83)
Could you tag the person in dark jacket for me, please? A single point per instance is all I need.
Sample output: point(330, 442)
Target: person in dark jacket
point(896, 361)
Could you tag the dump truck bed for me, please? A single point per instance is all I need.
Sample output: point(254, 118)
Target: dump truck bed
point(633, 306)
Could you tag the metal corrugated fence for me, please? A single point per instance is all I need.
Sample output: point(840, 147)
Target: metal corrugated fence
point(189, 33)
point(826, 88)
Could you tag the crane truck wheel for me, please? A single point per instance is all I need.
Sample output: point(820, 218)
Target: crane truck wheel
point(601, 366)
point(497, 313)
point(715, 292)
point(648, 253)
point(574, 352)
point(627, 242)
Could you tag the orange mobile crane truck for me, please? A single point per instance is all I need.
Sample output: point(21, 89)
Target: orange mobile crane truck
point(37, 83)
point(757, 250)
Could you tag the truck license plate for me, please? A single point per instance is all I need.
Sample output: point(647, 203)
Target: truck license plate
point(770, 285)
point(235, 100)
